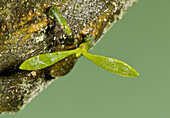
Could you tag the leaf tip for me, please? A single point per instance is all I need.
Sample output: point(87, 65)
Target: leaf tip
point(26, 66)
point(133, 73)
point(23, 67)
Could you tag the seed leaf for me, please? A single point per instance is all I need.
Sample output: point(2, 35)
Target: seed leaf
point(45, 60)
point(112, 65)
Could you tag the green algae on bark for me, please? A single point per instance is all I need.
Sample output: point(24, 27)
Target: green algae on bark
point(27, 30)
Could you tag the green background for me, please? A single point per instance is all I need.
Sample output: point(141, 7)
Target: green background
point(141, 39)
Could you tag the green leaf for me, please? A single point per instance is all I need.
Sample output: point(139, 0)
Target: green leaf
point(111, 64)
point(45, 60)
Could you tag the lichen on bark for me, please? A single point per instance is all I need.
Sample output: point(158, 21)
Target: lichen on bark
point(27, 30)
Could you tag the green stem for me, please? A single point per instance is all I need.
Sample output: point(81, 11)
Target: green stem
point(55, 13)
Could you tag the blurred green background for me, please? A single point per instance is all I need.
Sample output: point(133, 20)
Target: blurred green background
point(141, 39)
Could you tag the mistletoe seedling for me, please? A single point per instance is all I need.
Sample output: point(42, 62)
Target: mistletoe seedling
point(107, 63)
point(46, 60)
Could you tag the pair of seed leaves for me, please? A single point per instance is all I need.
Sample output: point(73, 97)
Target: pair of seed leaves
point(107, 63)
point(110, 64)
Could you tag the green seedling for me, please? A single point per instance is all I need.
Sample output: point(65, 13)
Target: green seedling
point(46, 60)
point(55, 13)
point(107, 63)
